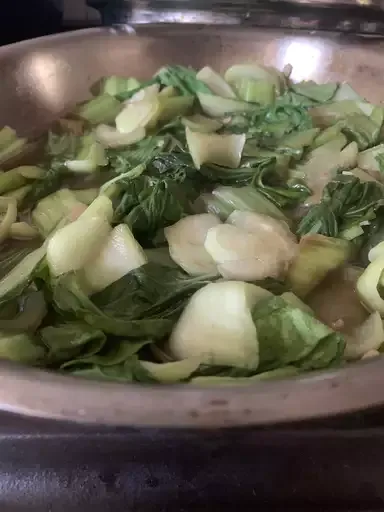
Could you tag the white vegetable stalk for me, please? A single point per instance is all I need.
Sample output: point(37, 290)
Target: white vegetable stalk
point(216, 106)
point(367, 286)
point(110, 137)
point(376, 252)
point(140, 111)
point(217, 149)
point(20, 274)
point(367, 337)
point(255, 72)
point(186, 243)
point(90, 157)
point(348, 156)
point(23, 231)
point(8, 206)
point(217, 327)
point(215, 82)
point(251, 247)
point(202, 124)
point(366, 160)
point(119, 255)
point(72, 246)
point(145, 94)
point(169, 373)
point(100, 207)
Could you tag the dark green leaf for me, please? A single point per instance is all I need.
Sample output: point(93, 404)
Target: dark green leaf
point(143, 304)
point(113, 353)
point(149, 205)
point(151, 291)
point(69, 340)
point(69, 297)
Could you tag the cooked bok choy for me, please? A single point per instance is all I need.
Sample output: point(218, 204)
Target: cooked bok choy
point(214, 229)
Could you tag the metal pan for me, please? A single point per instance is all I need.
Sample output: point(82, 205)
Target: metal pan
point(41, 79)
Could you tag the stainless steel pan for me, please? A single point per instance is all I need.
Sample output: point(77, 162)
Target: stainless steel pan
point(41, 79)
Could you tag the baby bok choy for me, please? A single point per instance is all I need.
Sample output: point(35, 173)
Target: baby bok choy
point(196, 227)
point(239, 325)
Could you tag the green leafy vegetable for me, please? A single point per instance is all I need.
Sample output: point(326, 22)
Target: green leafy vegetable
point(21, 348)
point(142, 304)
point(70, 340)
point(135, 282)
point(288, 335)
point(183, 79)
point(346, 203)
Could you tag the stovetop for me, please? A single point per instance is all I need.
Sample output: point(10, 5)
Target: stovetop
point(329, 465)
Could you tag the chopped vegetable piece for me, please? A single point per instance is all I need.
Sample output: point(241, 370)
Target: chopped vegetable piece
point(217, 149)
point(215, 82)
point(217, 326)
point(318, 255)
point(119, 255)
point(102, 109)
point(171, 210)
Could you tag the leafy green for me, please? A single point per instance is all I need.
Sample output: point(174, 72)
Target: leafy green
point(270, 124)
point(156, 198)
point(149, 205)
point(141, 153)
point(153, 290)
point(361, 129)
point(143, 304)
point(225, 200)
point(184, 79)
point(110, 354)
point(347, 202)
point(262, 174)
point(21, 348)
point(70, 299)
point(129, 371)
point(293, 132)
point(289, 335)
point(69, 340)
